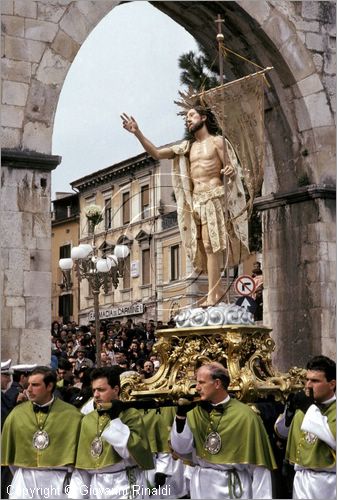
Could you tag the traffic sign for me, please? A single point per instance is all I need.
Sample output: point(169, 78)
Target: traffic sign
point(248, 303)
point(244, 285)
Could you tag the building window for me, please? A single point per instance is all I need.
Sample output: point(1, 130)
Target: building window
point(65, 251)
point(145, 201)
point(175, 264)
point(146, 266)
point(107, 214)
point(65, 307)
point(88, 224)
point(126, 207)
point(126, 273)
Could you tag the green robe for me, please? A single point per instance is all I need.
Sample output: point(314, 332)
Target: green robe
point(244, 439)
point(158, 425)
point(138, 444)
point(306, 450)
point(62, 425)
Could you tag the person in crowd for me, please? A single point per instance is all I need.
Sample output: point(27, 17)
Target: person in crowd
point(117, 344)
point(148, 369)
point(257, 275)
point(155, 360)
point(309, 424)
point(133, 353)
point(82, 360)
point(105, 360)
point(91, 348)
point(6, 407)
point(55, 329)
point(228, 440)
point(109, 349)
point(6, 382)
point(39, 440)
point(149, 333)
point(17, 393)
point(113, 450)
point(64, 335)
point(59, 349)
point(71, 348)
point(81, 397)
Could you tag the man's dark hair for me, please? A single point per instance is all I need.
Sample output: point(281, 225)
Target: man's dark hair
point(17, 375)
point(49, 375)
point(111, 373)
point(323, 364)
point(64, 364)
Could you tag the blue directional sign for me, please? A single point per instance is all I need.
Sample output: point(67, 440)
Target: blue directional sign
point(248, 303)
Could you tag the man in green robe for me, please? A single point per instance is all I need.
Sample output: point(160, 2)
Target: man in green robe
point(39, 440)
point(113, 449)
point(311, 433)
point(169, 469)
point(230, 447)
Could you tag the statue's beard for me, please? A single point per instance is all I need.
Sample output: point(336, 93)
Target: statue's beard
point(196, 127)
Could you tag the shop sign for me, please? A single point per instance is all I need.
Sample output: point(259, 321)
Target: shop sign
point(115, 312)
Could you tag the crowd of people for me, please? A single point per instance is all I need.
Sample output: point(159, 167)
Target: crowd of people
point(125, 344)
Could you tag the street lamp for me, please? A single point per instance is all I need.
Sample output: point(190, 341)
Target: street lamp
point(97, 270)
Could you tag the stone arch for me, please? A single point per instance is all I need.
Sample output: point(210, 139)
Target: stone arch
point(264, 31)
point(41, 39)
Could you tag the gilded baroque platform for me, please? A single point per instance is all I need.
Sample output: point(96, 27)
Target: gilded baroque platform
point(244, 348)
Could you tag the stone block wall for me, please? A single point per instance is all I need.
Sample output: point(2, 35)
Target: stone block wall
point(25, 256)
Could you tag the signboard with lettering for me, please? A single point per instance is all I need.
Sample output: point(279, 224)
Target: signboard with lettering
point(134, 271)
point(116, 312)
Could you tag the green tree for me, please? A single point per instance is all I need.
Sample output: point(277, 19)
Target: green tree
point(197, 70)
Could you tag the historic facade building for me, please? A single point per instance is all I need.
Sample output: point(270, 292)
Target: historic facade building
point(64, 236)
point(135, 197)
point(40, 41)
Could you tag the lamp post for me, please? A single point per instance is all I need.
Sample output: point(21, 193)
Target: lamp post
point(98, 271)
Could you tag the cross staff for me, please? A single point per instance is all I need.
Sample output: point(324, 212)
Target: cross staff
point(226, 161)
point(220, 39)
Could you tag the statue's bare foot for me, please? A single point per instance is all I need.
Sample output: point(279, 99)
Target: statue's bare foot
point(221, 296)
point(210, 300)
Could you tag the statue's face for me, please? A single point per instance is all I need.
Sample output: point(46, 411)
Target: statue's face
point(194, 121)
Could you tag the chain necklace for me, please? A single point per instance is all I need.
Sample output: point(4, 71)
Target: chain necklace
point(96, 447)
point(213, 439)
point(41, 438)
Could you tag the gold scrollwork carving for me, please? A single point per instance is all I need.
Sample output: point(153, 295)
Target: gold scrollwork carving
point(245, 350)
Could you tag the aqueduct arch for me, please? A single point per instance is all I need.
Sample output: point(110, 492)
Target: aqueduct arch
point(41, 39)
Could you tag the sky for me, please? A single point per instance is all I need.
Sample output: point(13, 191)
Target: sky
point(128, 63)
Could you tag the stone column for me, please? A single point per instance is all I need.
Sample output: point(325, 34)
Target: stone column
point(299, 272)
point(26, 256)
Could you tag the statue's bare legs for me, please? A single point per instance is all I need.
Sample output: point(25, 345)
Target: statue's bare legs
point(215, 290)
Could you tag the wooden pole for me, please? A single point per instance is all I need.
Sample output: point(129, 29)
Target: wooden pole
point(225, 159)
